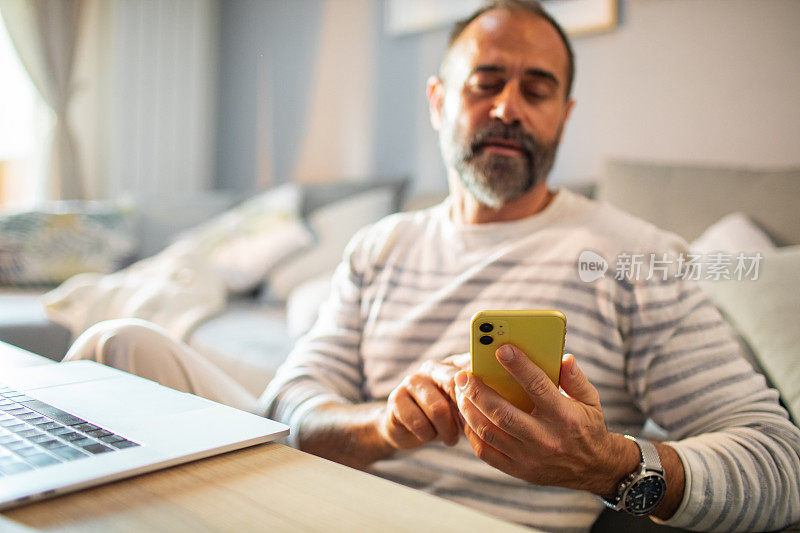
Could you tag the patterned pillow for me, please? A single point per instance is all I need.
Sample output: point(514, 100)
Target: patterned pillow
point(246, 242)
point(47, 246)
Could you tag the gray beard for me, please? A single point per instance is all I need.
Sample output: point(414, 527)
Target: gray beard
point(494, 179)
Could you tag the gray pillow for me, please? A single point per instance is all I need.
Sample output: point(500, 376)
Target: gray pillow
point(316, 196)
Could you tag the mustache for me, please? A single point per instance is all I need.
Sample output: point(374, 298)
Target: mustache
point(500, 130)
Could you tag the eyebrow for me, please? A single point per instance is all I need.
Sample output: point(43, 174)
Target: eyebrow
point(535, 72)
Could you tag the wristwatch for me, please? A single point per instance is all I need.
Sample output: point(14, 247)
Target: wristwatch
point(644, 488)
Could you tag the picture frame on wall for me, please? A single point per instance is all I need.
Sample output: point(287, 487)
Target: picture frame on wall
point(577, 17)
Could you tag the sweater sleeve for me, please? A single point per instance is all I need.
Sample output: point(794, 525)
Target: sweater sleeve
point(740, 452)
point(325, 365)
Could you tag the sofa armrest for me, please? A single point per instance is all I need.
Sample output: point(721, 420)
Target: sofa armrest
point(24, 324)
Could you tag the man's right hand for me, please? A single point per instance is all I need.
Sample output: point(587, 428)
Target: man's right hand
point(422, 408)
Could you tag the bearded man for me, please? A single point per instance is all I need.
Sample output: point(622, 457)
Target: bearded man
point(381, 381)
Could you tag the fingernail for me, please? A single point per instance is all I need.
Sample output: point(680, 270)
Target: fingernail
point(573, 370)
point(505, 353)
point(461, 380)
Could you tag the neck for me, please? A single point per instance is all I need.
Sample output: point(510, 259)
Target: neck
point(467, 210)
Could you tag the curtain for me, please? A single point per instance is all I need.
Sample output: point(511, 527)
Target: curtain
point(337, 139)
point(45, 34)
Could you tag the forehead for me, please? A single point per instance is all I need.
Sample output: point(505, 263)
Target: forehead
point(512, 39)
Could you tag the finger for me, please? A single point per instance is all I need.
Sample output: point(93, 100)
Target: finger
point(534, 381)
point(437, 408)
point(497, 409)
point(459, 360)
point(442, 374)
point(485, 429)
point(576, 384)
point(409, 414)
point(488, 453)
point(399, 436)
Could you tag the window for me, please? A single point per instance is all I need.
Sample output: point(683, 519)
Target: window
point(25, 124)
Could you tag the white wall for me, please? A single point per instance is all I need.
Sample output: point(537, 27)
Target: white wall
point(697, 81)
point(708, 81)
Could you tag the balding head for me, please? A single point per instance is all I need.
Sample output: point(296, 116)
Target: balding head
point(531, 8)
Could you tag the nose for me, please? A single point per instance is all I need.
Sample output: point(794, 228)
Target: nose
point(507, 104)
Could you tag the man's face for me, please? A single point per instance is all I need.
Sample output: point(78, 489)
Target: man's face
point(501, 105)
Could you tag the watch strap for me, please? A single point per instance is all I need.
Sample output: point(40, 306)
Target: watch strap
point(650, 458)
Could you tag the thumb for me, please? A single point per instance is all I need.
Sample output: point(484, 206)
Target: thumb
point(576, 384)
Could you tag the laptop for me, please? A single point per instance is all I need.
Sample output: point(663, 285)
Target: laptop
point(68, 426)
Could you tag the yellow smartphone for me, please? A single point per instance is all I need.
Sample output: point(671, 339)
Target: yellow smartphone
point(538, 333)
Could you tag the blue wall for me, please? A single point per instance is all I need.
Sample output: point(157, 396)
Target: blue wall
point(267, 51)
point(267, 54)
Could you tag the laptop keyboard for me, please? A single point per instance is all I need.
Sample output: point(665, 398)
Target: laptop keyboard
point(34, 434)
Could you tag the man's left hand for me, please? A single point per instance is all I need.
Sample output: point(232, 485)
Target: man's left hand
point(562, 442)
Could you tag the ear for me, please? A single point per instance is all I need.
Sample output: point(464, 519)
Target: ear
point(435, 92)
point(568, 110)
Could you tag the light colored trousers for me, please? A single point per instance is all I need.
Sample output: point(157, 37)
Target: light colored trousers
point(147, 350)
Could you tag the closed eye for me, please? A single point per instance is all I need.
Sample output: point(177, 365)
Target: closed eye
point(534, 94)
point(489, 87)
point(539, 88)
point(486, 82)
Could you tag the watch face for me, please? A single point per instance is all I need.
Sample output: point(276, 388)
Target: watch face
point(644, 495)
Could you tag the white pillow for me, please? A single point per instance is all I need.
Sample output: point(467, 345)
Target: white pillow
point(175, 291)
point(245, 243)
point(334, 225)
point(302, 306)
point(767, 312)
point(733, 233)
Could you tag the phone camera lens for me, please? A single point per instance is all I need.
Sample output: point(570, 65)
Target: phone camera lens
point(486, 339)
point(486, 327)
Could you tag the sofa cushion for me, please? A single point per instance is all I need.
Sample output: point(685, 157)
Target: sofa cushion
point(249, 341)
point(23, 323)
point(246, 242)
point(766, 312)
point(162, 218)
point(319, 195)
point(333, 225)
point(691, 197)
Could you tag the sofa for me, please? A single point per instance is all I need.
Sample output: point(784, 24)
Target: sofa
point(251, 337)
point(256, 330)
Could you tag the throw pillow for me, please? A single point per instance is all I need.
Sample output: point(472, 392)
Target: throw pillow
point(47, 246)
point(302, 305)
point(334, 225)
point(174, 290)
point(766, 312)
point(245, 243)
point(733, 233)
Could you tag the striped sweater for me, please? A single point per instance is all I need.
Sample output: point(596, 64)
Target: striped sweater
point(654, 348)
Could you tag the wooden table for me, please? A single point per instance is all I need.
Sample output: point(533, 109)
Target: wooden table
point(269, 487)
